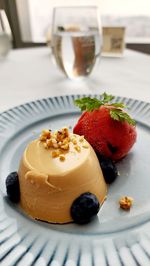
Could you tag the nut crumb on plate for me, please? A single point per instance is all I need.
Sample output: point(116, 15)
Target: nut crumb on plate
point(126, 203)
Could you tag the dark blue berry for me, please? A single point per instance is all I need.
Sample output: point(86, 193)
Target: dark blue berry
point(12, 187)
point(84, 208)
point(109, 169)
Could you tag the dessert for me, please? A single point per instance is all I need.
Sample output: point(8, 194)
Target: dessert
point(106, 126)
point(60, 178)
point(57, 171)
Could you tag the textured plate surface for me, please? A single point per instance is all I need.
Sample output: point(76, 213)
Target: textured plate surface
point(115, 237)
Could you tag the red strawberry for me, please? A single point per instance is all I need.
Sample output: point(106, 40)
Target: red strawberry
point(108, 137)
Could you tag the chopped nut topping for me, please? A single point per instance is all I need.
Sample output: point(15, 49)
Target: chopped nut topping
point(54, 141)
point(55, 154)
point(62, 157)
point(66, 131)
point(59, 136)
point(81, 138)
point(85, 145)
point(46, 134)
point(65, 146)
point(55, 145)
point(74, 141)
point(77, 148)
point(49, 143)
point(45, 145)
point(66, 141)
point(43, 138)
point(59, 139)
point(126, 203)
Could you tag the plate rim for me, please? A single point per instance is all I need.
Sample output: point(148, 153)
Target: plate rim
point(68, 95)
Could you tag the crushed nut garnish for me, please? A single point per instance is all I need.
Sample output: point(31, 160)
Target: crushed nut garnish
point(45, 145)
point(77, 148)
point(81, 138)
point(85, 145)
point(43, 138)
point(54, 141)
point(66, 141)
point(55, 154)
point(126, 203)
point(55, 145)
point(59, 139)
point(49, 143)
point(60, 142)
point(74, 141)
point(62, 157)
point(65, 146)
point(46, 134)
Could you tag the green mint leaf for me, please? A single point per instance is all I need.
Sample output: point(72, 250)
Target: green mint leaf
point(119, 115)
point(107, 98)
point(119, 105)
point(116, 113)
point(88, 104)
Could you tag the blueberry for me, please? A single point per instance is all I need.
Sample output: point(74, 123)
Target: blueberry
point(12, 187)
point(109, 169)
point(84, 208)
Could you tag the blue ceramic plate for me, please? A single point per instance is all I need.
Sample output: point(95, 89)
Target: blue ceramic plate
point(115, 237)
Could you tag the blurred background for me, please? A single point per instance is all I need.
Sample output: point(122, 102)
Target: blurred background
point(30, 20)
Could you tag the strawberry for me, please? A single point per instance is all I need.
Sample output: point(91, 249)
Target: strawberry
point(110, 137)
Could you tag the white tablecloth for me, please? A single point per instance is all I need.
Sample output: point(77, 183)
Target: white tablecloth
point(29, 74)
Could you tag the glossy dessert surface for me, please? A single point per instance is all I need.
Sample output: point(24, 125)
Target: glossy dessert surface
point(49, 184)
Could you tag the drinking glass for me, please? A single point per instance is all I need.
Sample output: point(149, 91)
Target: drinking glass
point(5, 35)
point(76, 40)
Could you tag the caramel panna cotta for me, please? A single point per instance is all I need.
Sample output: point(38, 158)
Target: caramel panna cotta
point(54, 171)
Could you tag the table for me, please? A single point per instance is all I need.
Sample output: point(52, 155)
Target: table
point(29, 74)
